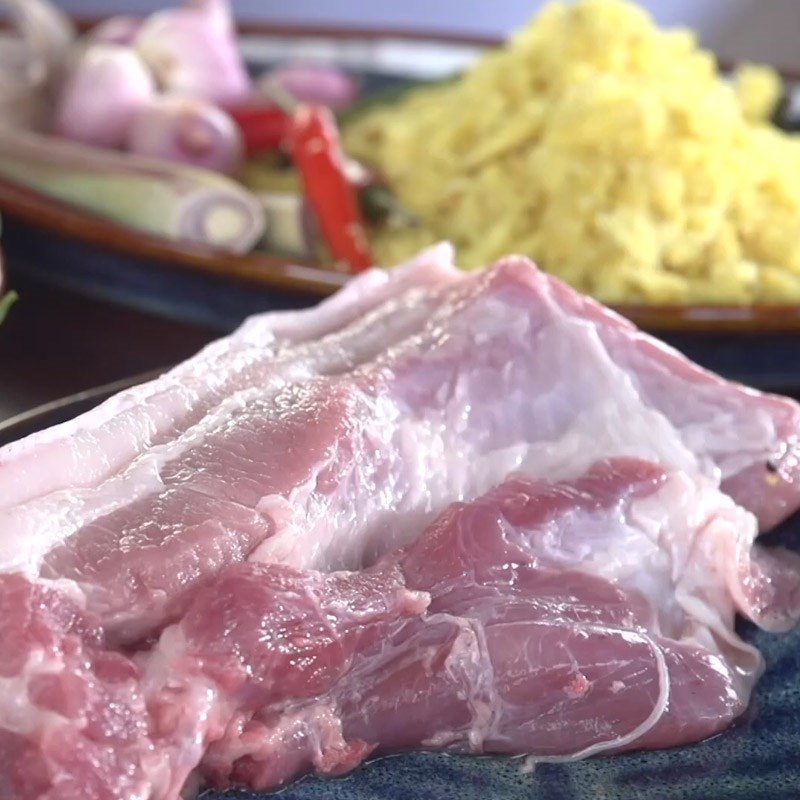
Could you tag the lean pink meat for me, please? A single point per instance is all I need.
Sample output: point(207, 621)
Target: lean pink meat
point(560, 620)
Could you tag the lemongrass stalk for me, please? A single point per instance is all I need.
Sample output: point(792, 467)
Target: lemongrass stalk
point(170, 200)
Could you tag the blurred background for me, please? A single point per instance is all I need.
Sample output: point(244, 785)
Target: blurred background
point(736, 29)
point(120, 271)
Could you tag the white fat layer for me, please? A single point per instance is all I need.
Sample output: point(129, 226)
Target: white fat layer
point(31, 529)
point(17, 712)
point(469, 665)
point(198, 711)
point(417, 458)
point(96, 445)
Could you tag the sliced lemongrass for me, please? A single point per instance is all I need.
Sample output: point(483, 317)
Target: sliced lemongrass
point(170, 200)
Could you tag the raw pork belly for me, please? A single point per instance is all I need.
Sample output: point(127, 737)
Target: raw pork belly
point(385, 523)
point(417, 391)
point(559, 620)
point(267, 348)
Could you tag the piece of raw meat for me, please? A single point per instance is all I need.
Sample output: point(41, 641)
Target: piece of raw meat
point(76, 721)
point(750, 438)
point(83, 452)
point(73, 719)
point(558, 620)
point(565, 620)
point(436, 396)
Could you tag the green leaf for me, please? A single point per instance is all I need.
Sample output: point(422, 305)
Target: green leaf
point(5, 303)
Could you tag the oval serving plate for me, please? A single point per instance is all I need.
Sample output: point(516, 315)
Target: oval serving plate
point(757, 759)
point(68, 246)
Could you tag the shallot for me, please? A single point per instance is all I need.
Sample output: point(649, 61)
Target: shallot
point(23, 97)
point(115, 30)
point(106, 89)
point(32, 55)
point(189, 130)
point(46, 30)
point(193, 50)
point(313, 83)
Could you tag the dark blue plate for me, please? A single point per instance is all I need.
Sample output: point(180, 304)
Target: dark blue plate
point(757, 759)
point(765, 359)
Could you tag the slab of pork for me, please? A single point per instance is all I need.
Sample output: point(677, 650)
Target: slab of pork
point(554, 619)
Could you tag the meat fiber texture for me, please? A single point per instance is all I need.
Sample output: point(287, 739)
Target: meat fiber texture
point(559, 620)
point(308, 443)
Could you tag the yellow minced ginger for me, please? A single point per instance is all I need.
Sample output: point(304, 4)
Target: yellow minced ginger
point(611, 152)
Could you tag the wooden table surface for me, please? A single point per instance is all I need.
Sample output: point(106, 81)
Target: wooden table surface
point(55, 343)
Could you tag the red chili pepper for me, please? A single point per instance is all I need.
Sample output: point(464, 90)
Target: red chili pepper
point(317, 153)
point(263, 127)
